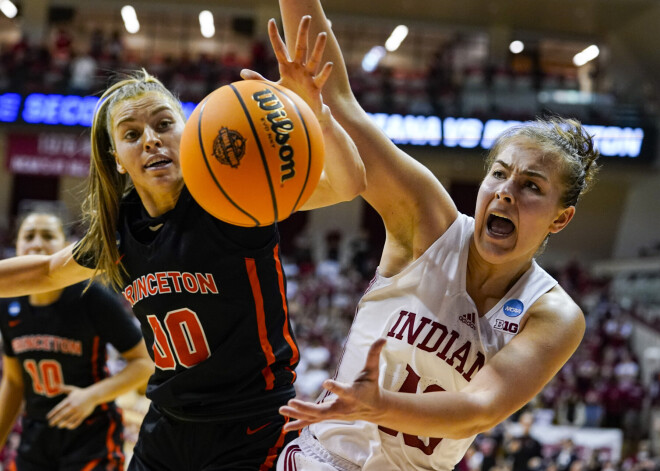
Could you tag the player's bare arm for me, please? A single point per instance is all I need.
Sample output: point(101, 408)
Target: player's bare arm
point(32, 274)
point(11, 395)
point(401, 189)
point(80, 402)
point(506, 383)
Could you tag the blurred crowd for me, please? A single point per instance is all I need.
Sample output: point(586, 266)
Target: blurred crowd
point(519, 88)
point(64, 68)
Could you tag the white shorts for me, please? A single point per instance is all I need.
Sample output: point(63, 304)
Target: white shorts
point(305, 453)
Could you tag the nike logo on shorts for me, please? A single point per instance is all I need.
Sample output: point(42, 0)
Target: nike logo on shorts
point(251, 431)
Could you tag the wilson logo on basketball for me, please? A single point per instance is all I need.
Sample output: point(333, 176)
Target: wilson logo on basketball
point(229, 147)
point(281, 125)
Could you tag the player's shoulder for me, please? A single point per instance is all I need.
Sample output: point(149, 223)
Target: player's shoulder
point(557, 306)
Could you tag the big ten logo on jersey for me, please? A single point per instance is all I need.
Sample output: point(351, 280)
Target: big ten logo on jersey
point(512, 308)
point(506, 326)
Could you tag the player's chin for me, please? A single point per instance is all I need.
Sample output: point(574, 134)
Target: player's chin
point(496, 250)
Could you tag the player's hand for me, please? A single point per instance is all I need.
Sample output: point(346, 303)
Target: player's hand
point(300, 73)
point(361, 400)
point(73, 409)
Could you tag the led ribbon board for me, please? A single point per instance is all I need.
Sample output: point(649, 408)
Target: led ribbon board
point(450, 132)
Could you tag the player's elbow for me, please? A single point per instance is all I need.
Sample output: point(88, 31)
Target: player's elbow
point(358, 182)
point(486, 415)
point(352, 183)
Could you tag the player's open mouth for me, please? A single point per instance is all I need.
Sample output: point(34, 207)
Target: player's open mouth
point(158, 163)
point(499, 226)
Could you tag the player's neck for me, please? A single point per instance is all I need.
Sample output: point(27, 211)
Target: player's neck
point(44, 299)
point(160, 200)
point(487, 283)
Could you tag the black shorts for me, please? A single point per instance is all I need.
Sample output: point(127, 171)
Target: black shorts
point(169, 444)
point(97, 444)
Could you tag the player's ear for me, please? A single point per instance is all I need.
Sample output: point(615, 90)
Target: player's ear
point(120, 167)
point(562, 219)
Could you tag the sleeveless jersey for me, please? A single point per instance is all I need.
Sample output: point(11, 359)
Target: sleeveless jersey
point(435, 341)
point(213, 313)
point(64, 342)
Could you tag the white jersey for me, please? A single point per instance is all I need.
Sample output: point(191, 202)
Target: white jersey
point(435, 341)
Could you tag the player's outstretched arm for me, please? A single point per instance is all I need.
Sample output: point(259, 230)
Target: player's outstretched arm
point(32, 274)
point(80, 402)
point(11, 395)
point(503, 385)
point(343, 176)
point(403, 191)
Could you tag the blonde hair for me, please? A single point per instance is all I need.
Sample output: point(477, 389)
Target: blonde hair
point(105, 185)
point(565, 138)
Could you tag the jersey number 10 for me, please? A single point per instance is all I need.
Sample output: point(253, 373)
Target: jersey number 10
point(179, 339)
point(46, 376)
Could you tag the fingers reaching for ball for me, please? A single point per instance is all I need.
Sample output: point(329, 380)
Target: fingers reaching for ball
point(300, 73)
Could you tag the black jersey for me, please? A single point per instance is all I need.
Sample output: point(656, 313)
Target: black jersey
point(64, 342)
point(211, 300)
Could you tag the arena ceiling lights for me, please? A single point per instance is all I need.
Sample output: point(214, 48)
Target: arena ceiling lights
point(8, 8)
point(130, 18)
point(586, 55)
point(376, 53)
point(206, 25)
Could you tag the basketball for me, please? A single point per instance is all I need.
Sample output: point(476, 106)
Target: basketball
point(252, 153)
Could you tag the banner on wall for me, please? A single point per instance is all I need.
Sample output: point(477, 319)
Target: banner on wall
point(48, 154)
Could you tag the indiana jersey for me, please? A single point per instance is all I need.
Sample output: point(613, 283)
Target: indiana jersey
point(436, 341)
point(64, 343)
point(213, 312)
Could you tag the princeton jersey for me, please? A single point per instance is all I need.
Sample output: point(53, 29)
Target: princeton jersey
point(64, 342)
point(213, 313)
point(436, 341)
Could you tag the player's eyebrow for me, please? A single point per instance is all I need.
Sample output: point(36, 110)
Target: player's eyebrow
point(529, 173)
point(129, 118)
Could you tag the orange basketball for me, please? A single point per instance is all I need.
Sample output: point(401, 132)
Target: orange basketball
point(252, 153)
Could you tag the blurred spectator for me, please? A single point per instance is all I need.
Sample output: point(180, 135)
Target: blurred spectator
point(520, 449)
point(96, 43)
point(83, 74)
point(566, 455)
point(62, 45)
point(115, 47)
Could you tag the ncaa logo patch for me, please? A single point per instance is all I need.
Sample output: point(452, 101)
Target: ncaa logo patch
point(513, 308)
point(14, 308)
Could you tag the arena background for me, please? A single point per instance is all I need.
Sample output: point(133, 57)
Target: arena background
point(455, 74)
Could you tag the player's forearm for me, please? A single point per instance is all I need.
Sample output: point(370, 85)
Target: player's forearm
point(344, 169)
point(32, 274)
point(11, 399)
point(28, 274)
point(453, 415)
point(134, 375)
